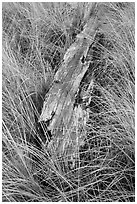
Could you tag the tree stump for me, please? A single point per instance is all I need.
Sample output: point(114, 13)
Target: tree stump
point(58, 109)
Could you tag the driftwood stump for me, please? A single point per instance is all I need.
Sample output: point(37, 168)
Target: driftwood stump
point(58, 109)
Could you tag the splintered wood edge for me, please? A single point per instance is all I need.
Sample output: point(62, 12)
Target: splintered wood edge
point(51, 106)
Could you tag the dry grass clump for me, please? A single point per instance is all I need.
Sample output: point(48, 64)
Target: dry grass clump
point(35, 39)
point(109, 148)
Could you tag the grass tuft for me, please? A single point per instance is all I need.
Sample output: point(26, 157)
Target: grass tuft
point(102, 167)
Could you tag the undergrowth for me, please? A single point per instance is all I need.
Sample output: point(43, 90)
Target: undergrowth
point(35, 39)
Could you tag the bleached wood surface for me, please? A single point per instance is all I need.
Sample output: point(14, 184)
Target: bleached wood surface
point(58, 108)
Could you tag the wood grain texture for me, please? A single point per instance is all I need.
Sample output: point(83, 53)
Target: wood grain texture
point(58, 107)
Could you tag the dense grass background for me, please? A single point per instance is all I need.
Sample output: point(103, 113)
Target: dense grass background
point(35, 39)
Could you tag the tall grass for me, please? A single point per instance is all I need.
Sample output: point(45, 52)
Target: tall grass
point(35, 39)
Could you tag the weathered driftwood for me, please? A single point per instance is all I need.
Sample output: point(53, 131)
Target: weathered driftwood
point(58, 108)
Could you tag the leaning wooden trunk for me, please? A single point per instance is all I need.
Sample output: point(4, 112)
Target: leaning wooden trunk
point(58, 111)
